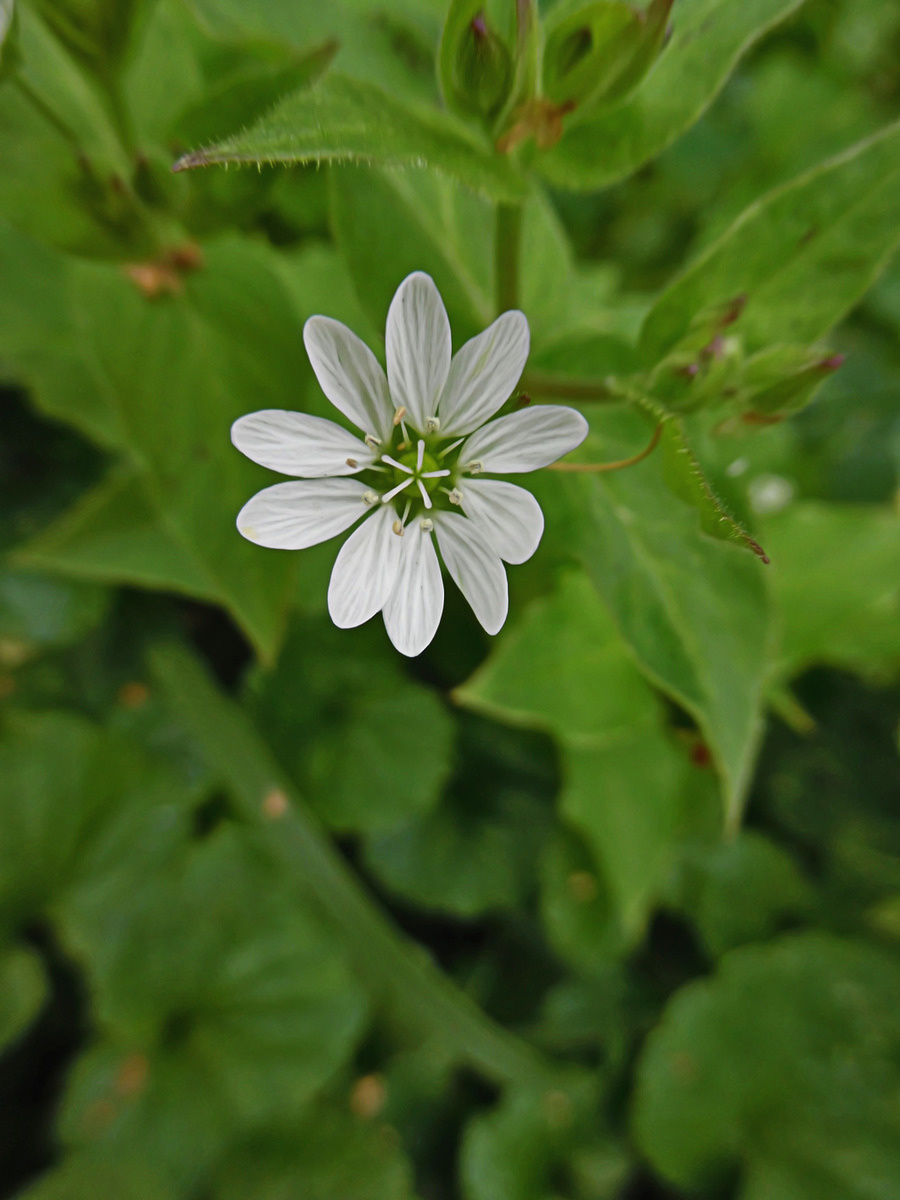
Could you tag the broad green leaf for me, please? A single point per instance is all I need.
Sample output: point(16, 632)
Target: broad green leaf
point(533, 1138)
point(565, 668)
point(343, 120)
point(23, 990)
point(709, 38)
point(389, 223)
point(84, 1175)
point(785, 1062)
point(692, 610)
point(113, 535)
point(739, 891)
point(227, 344)
point(802, 256)
point(76, 805)
point(222, 1003)
point(37, 612)
point(578, 911)
point(328, 1156)
point(368, 747)
point(836, 581)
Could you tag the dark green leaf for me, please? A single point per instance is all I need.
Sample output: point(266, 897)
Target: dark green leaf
point(23, 990)
point(37, 612)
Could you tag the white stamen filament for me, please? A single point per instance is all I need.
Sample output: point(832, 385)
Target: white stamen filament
point(434, 474)
point(420, 456)
point(388, 496)
point(399, 465)
point(452, 446)
point(425, 496)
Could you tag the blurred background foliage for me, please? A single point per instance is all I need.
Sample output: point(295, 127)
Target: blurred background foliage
point(608, 998)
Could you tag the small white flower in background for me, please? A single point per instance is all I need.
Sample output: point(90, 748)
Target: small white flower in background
point(416, 474)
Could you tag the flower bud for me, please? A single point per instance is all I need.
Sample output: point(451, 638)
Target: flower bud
point(92, 29)
point(477, 67)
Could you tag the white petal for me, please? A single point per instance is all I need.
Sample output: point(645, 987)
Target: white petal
point(349, 374)
point(413, 612)
point(475, 568)
point(508, 516)
point(418, 348)
point(292, 516)
point(526, 440)
point(483, 374)
point(365, 570)
point(299, 444)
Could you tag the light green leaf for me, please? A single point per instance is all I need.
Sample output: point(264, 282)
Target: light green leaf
point(565, 668)
point(114, 535)
point(709, 38)
point(23, 990)
point(344, 120)
point(222, 1004)
point(802, 256)
point(836, 580)
point(336, 710)
point(693, 610)
point(389, 223)
point(785, 1063)
point(36, 612)
point(328, 1156)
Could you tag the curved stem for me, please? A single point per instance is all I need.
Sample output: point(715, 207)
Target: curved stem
point(596, 468)
point(399, 973)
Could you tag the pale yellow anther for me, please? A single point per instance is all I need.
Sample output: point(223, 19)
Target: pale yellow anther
point(455, 496)
point(398, 527)
point(351, 462)
point(399, 414)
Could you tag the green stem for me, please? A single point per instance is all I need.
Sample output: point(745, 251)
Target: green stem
point(561, 387)
point(399, 972)
point(507, 248)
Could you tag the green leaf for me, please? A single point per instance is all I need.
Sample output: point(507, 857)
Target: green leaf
point(113, 535)
point(37, 612)
point(389, 223)
point(836, 579)
point(222, 1003)
point(784, 1062)
point(739, 891)
point(709, 38)
point(226, 343)
point(802, 256)
point(333, 710)
point(692, 610)
point(344, 120)
point(76, 804)
point(23, 991)
point(578, 911)
point(565, 668)
point(684, 475)
point(85, 1175)
point(328, 1156)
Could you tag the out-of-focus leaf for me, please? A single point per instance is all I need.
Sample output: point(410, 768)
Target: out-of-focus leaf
point(786, 1062)
point(802, 256)
point(389, 223)
point(66, 176)
point(9, 23)
point(327, 1156)
point(368, 747)
point(577, 909)
point(36, 612)
point(226, 343)
point(739, 891)
point(836, 580)
point(114, 535)
point(693, 610)
point(708, 40)
point(222, 1003)
point(87, 1175)
point(517, 1151)
point(77, 806)
point(344, 120)
point(565, 668)
point(23, 990)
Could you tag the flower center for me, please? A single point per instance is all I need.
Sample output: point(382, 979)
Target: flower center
point(416, 469)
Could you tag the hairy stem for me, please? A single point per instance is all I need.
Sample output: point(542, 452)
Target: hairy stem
point(618, 465)
point(400, 974)
point(507, 255)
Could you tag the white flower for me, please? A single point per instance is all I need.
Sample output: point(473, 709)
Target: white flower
point(417, 471)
